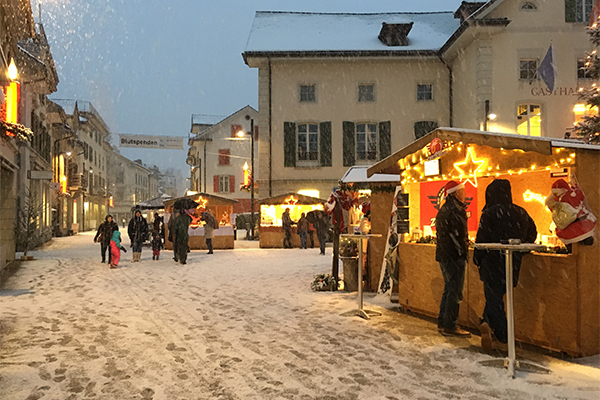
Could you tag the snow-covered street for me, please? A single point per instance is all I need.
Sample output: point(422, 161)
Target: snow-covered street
point(239, 324)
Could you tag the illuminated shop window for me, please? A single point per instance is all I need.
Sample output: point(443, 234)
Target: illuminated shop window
point(583, 110)
point(529, 120)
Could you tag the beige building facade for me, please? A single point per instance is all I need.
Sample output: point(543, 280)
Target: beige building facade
point(356, 98)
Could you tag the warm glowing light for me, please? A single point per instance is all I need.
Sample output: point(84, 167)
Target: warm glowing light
point(530, 196)
point(579, 108)
point(111, 202)
point(63, 184)
point(12, 70)
point(12, 102)
point(202, 201)
point(240, 134)
point(492, 117)
point(310, 193)
point(470, 167)
point(291, 201)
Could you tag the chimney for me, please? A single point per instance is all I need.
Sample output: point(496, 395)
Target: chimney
point(395, 34)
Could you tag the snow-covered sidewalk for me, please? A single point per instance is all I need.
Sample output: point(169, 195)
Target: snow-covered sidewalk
point(239, 324)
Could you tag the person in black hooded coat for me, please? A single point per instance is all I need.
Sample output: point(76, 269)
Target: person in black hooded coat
point(500, 221)
point(138, 233)
point(105, 233)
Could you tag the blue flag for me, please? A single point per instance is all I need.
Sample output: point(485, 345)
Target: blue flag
point(546, 69)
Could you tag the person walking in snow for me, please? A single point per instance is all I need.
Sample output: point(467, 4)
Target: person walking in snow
point(287, 222)
point(115, 249)
point(451, 253)
point(157, 245)
point(181, 237)
point(500, 221)
point(302, 227)
point(138, 233)
point(210, 224)
point(104, 236)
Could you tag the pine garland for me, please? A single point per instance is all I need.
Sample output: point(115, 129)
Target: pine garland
point(589, 128)
point(18, 130)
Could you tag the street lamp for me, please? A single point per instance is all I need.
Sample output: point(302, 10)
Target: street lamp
point(251, 174)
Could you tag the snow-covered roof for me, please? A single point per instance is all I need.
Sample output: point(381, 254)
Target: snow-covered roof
point(358, 174)
point(275, 31)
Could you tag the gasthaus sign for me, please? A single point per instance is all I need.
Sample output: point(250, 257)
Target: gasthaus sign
point(151, 142)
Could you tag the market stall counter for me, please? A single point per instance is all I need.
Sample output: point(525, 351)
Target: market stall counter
point(557, 300)
point(271, 233)
point(220, 207)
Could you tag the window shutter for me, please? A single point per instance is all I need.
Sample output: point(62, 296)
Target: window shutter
point(385, 139)
point(235, 129)
point(231, 183)
point(256, 133)
point(216, 183)
point(570, 10)
point(348, 143)
point(289, 144)
point(224, 156)
point(422, 128)
point(325, 143)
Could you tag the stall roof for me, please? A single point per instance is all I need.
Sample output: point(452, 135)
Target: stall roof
point(204, 195)
point(358, 174)
point(302, 199)
point(155, 203)
point(542, 145)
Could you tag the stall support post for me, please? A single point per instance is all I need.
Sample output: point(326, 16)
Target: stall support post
point(510, 311)
point(252, 178)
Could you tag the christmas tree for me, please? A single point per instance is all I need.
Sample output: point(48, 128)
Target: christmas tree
point(589, 127)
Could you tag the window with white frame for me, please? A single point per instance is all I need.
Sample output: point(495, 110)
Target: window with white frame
point(367, 142)
point(583, 10)
point(308, 94)
point(223, 183)
point(424, 91)
point(366, 92)
point(308, 143)
point(529, 119)
point(528, 69)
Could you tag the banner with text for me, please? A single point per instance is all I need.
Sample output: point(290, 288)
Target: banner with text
point(151, 142)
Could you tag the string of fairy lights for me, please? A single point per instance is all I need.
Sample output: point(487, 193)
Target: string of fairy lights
point(472, 167)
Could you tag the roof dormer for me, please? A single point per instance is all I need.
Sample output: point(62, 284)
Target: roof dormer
point(467, 8)
point(395, 34)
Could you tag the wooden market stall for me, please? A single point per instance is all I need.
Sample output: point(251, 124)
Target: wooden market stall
point(558, 296)
point(220, 207)
point(271, 233)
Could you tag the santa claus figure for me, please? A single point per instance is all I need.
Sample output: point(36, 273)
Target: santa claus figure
point(573, 219)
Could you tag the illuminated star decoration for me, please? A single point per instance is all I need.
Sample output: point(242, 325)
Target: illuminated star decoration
point(291, 201)
point(202, 202)
point(469, 167)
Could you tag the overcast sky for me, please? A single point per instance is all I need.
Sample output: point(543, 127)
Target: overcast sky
point(147, 65)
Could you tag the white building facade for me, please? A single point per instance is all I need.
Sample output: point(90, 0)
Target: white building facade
point(355, 87)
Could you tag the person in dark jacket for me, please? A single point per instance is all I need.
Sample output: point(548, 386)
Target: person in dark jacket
point(104, 235)
point(181, 223)
point(321, 225)
point(156, 246)
point(452, 253)
point(138, 232)
point(287, 222)
point(302, 227)
point(500, 221)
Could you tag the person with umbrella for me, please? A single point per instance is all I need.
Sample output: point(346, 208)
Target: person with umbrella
point(181, 236)
point(138, 232)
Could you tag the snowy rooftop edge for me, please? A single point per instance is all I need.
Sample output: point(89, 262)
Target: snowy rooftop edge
point(279, 31)
point(358, 174)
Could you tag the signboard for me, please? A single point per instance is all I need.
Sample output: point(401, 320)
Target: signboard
point(151, 142)
point(43, 175)
point(432, 194)
point(432, 167)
